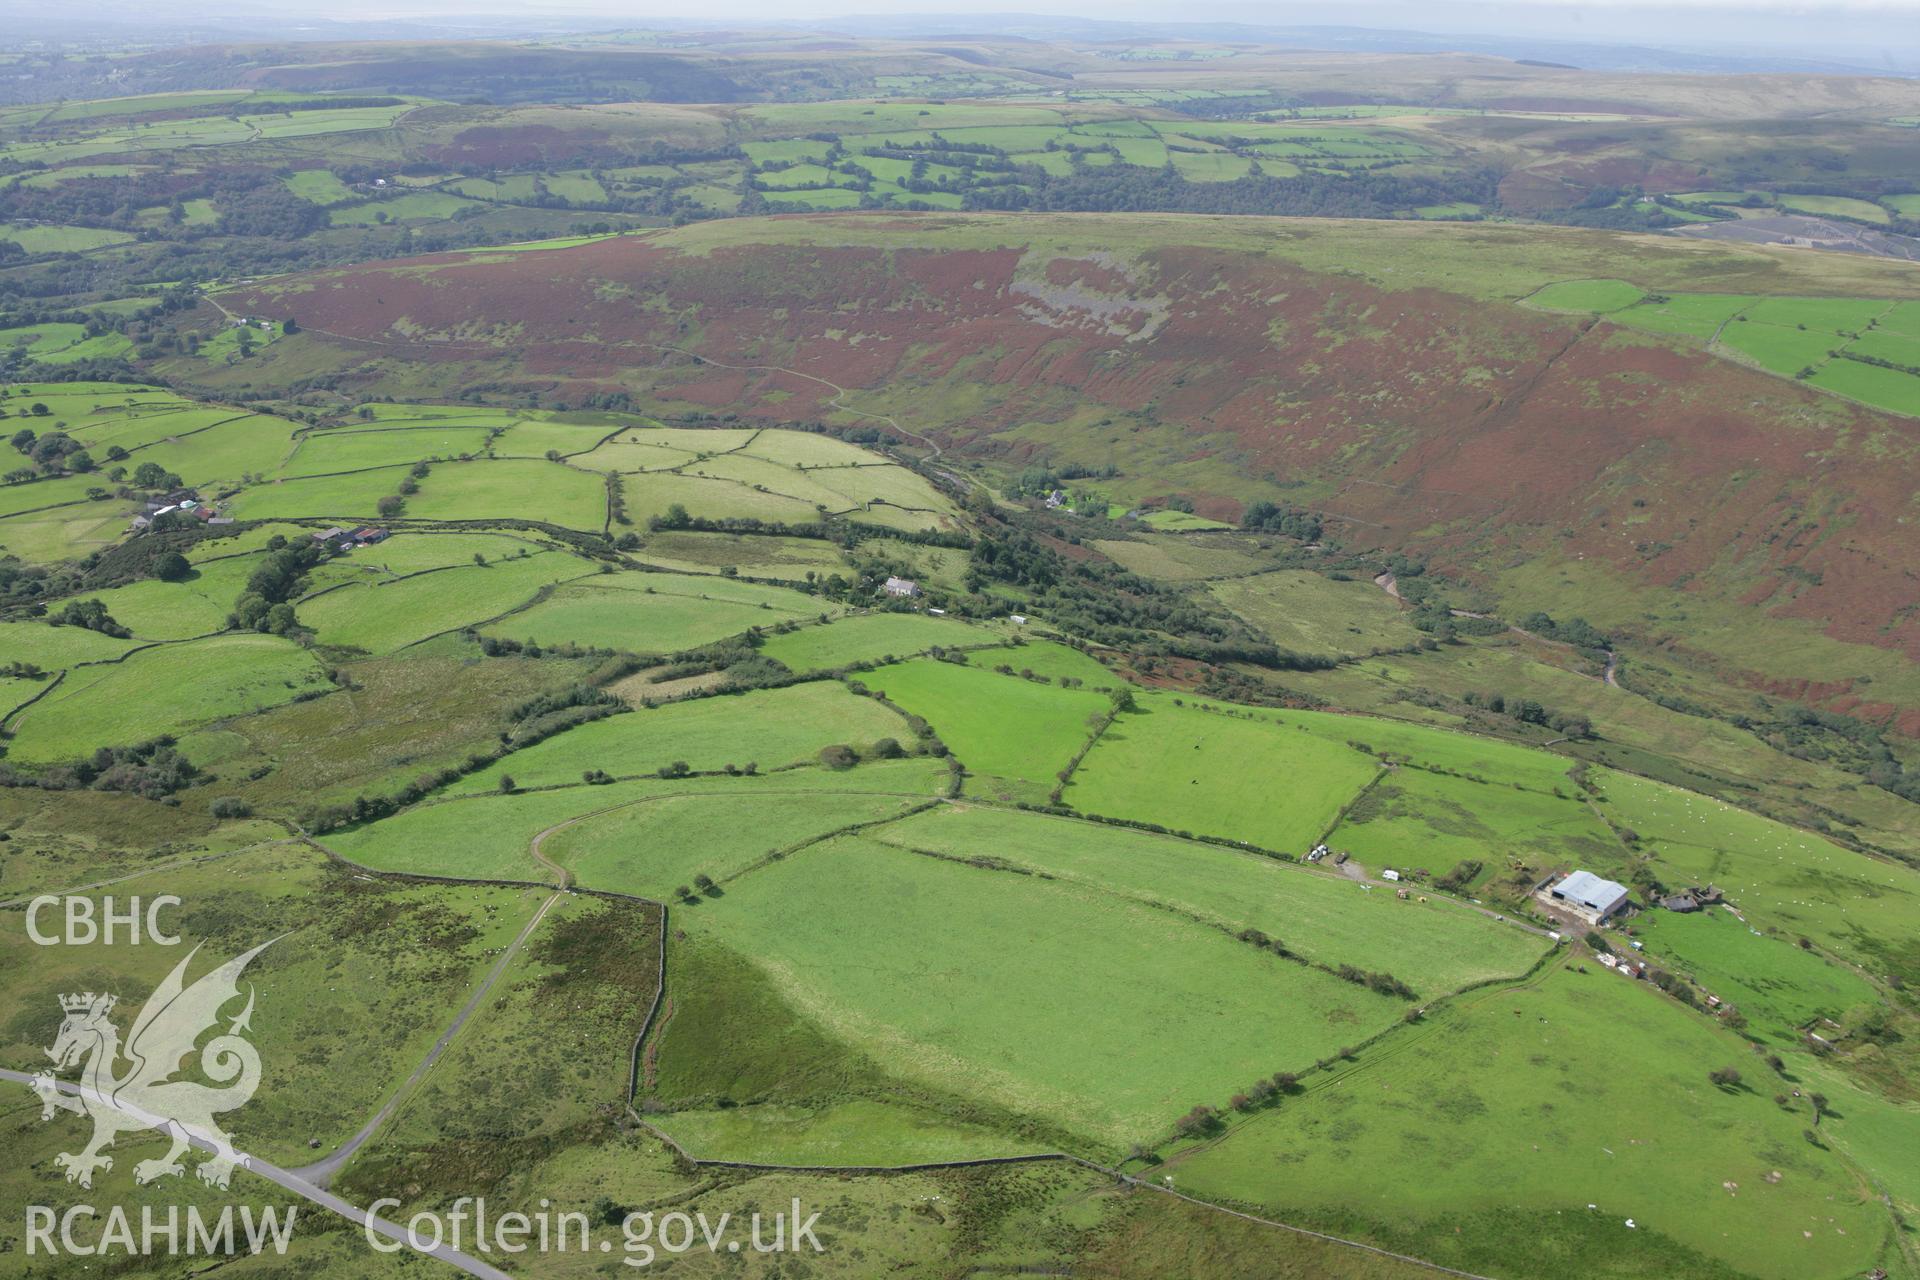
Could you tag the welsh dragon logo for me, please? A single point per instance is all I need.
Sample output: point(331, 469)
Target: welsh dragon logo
point(146, 1096)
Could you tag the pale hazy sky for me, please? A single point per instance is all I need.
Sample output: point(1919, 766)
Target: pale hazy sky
point(1873, 32)
point(1861, 25)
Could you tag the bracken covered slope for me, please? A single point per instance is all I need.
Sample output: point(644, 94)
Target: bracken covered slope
point(1383, 373)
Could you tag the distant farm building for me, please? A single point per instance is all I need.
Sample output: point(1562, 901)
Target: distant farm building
point(904, 588)
point(1589, 896)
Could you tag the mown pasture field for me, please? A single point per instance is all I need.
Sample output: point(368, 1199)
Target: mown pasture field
point(51, 648)
point(353, 496)
point(847, 930)
point(1809, 339)
point(1414, 819)
point(872, 637)
point(382, 615)
point(1435, 948)
point(226, 452)
point(490, 836)
point(529, 489)
point(1498, 1089)
point(770, 728)
point(1170, 521)
point(1260, 780)
point(1475, 757)
point(655, 493)
point(1049, 660)
point(1013, 734)
point(329, 452)
point(1179, 559)
point(787, 559)
point(1894, 390)
point(658, 613)
point(197, 605)
point(1778, 986)
point(658, 846)
point(166, 689)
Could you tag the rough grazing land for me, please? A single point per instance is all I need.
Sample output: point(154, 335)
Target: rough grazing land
point(1416, 401)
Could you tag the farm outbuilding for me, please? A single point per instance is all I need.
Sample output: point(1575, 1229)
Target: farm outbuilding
point(1589, 895)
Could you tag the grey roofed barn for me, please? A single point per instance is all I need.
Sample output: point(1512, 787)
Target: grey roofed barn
point(1584, 889)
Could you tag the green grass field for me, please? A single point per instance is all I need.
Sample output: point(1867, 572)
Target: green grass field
point(422, 206)
point(195, 606)
point(842, 930)
point(355, 496)
point(656, 613)
point(1836, 207)
point(1778, 348)
point(1433, 947)
point(658, 846)
point(1472, 756)
point(1784, 335)
point(55, 239)
point(51, 648)
point(531, 489)
point(379, 615)
point(1778, 986)
point(325, 452)
point(1015, 734)
point(225, 452)
point(872, 637)
point(1417, 820)
point(1051, 660)
point(1499, 1092)
point(1257, 780)
point(161, 690)
point(1180, 521)
point(321, 186)
point(1890, 389)
point(490, 835)
point(1785, 881)
point(1692, 315)
point(770, 728)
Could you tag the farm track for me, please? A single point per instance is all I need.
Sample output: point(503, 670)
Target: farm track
point(321, 1172)
point(290, 1180)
